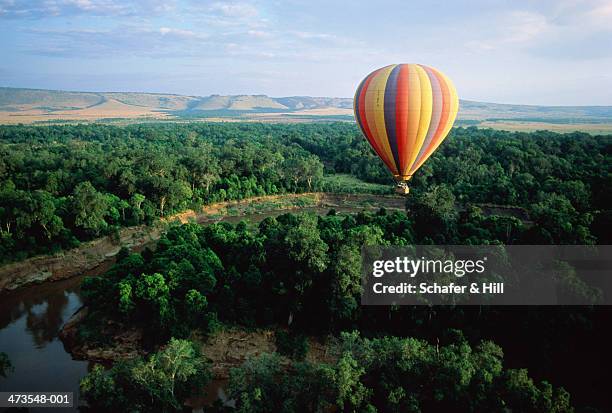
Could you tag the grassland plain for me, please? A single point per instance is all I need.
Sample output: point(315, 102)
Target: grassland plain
point(34, 106)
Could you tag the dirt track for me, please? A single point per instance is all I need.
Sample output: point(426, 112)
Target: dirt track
point(96, 256)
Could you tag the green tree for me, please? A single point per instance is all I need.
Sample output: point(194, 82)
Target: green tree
point(162, 383)
point(153, 291)
point(434, 214)
point(171, 375)
point(203, 168)
point(88, 207)
point(346, 282)
point(352, 394)
point(558, 220)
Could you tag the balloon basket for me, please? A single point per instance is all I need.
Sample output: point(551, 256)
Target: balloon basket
point(402, 189)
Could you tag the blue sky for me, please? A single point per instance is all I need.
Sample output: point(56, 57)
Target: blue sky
point(556, 52)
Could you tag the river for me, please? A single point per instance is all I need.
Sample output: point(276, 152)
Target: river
point(31, 318)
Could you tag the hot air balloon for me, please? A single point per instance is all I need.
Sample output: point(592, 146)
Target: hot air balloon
point(405, 111)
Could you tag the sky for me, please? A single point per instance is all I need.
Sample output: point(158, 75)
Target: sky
point(549, 52)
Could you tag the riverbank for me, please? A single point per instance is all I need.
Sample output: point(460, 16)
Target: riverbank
point(32, 315)
point(96, 256)
point(225, 349)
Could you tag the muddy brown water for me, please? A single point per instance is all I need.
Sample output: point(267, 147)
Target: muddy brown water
point(29, 324)
point(31, 318)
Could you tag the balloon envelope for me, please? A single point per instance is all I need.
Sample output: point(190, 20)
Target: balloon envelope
point(405, 111)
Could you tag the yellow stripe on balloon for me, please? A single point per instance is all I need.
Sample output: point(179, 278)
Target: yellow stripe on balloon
point(375, 111)
point(454, 107)
point(452, 114)
point(414, 113)
point(368, 107)
point(426, 104)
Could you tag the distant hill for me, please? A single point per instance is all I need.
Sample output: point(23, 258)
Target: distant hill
point(481, 111)
point(37, 105)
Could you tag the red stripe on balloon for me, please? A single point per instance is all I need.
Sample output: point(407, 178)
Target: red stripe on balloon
point(401, 116)
point(364, 121)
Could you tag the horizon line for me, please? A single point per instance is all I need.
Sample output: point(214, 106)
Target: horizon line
point(286, 96)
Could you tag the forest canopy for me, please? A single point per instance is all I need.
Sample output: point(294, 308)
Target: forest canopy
point(63, 184)
point(299, 274)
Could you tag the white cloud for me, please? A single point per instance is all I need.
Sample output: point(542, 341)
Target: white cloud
point(523, 27)
point(599, 16)
point(489, 47)
point(180, 33)
point(124, 41)
point(261, 34)
point(229, 15)
point(38, 9)
point(479, 45)
point(568, 30)
point(239, 10)
point(513, 29)
point(309, 35)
